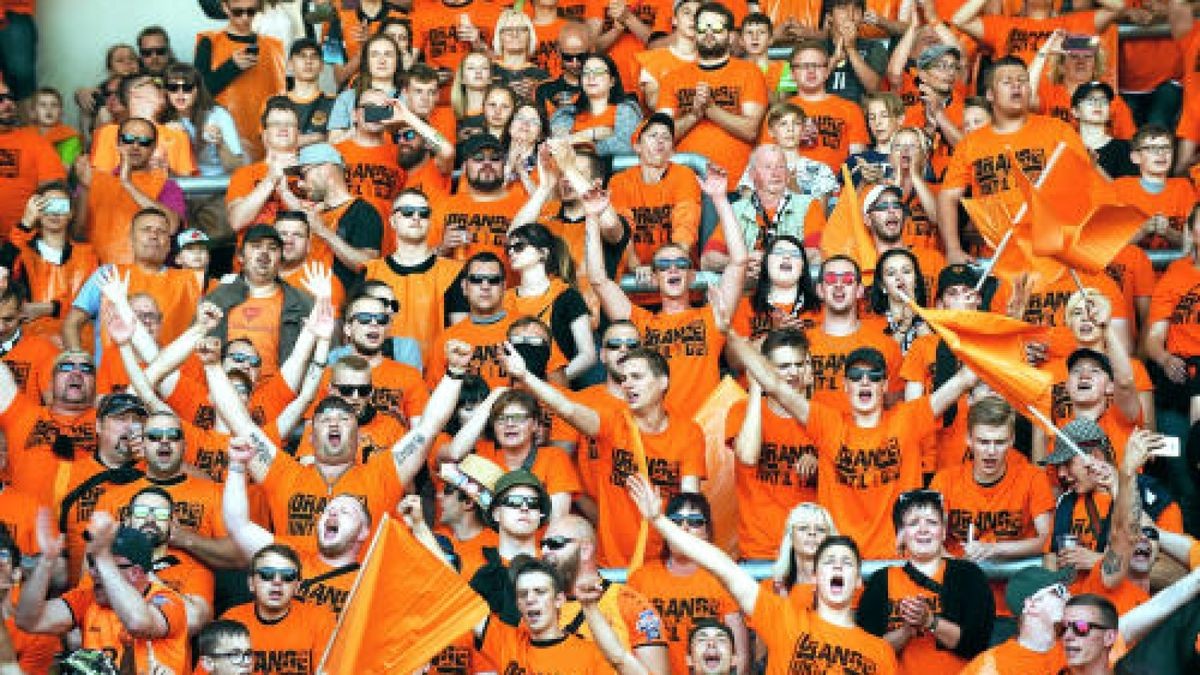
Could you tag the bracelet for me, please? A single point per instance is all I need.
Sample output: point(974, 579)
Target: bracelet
point(236, 468)
point(933, 624)
point(319, 364)
point(456, 374)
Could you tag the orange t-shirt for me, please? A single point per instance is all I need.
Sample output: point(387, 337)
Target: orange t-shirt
point(35, 652)
point(435, 29)
point(802, 642)
point(48, 282)
point(1134, 274)
point(1048, 302)
point(173, 142)
point(1176, 300)
point(293, 643)
point(31, 430)
point(551, 465)
point(947, 448)
point(755, 325)
point(1022, 36)
point(487, 358)
point(185, 575)
point(429, 178)
point(28, 161)
point(731, 86)
point(487, 223)
point(242, 182)
point(421, 292)
point(676, 452)
point(1175, 202)
point(31, 363)
point(657, 63)
point(657, 15)
point(515, 651)
point(373, 174)
point(829, 354)
point(768, 490)
point(546, 55)
point(1063, 411)
point(1055, 100)
point(921, 654)
point(861, 469)
point(328, 594)
point(1125, 596)
point(197, 502)
point(681, 599)
point(190, 400)
point(587, 454)
point(245, 96)
point(258, 320)
point(1011, 658)
point(839, 123)
point(18, 517)
point(111, 210)
point(692, 345)
point(102, 628)
point(658, 213)
point(379, 433)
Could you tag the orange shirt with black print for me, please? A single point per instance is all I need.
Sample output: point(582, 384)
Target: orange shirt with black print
point(731, 86)
point(242, 92)
point(839, 123)
point(26, 161)
point(486, 222)
point(681, 600)
point(1176, 300)
point(421, 291)
point(664, 212)
point(290, 645)
point(829, 352)
point(32, 431)
point(102, 628)
point(111, 209)
point(172, 142)
point(435, 29)
point(373, 174)
point(692, 345)
point(803, 642)
point(31, 361)
point(1174, 201)
point(487, 357)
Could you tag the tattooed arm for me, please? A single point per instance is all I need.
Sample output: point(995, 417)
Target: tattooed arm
point(1127, 511)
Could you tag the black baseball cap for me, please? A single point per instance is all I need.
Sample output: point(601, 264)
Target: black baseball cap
point(121, 402)
point(956, 275)
point(479, 142)
point(868, 355)
point(1083, 90)
point(302, 44)
point(261, 231)
point(134, 545)
point(1083, 353)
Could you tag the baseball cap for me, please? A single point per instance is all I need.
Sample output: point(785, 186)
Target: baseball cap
point(1084, 90)
point(1026, 583)
point(868, 355)
point(302, 44)
point(878, 191)
point(261, 231)
point(935, 52)
point(120, 402)
point(192, 237)
point(1083, 353)
point(661, 119)
point(478, 142)
point(1083, 432)
point(956, 275)
point(518, 478)
point(319, 153)
point(134, 545)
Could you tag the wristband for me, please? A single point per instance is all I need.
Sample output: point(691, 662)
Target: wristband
point(456, 375)
point(236, 468)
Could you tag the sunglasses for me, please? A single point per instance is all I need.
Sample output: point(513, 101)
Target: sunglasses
point(618, 343)
point(361, 390)
point(857, 373)
point(243, 656)
point(365, 318)
point(556, 543)
point(663, 264)
point(154, 51)
point(246, 358)
point(186, 87)
point(159, 513)
point(130, 139)
point(843, 278)
point(522, 502)
point(513, 418)
point(1079, 628)
point(527, 340)
point(480, 279)
point(284, 574)
point(572, 56)
point(486, 157)
point(71, 366)
point(788, 253)
point(410, 211)
point(516, 247)
point(886, 206)
point(408, 135)
point(7, 97)
point(689, 519)
point(175, 434)
point(243, 11)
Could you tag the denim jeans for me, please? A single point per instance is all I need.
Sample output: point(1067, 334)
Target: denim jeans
point(18, 54)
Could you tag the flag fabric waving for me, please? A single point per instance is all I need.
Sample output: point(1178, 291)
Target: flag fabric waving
point(846, 233)
point(405, 607)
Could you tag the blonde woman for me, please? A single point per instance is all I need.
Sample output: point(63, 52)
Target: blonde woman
point(514, 44)
point(794, 572)
point(471, 82)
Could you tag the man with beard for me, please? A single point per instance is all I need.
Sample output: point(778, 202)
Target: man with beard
point(255, 191)
point(289, 636)
point(296, 491)
point(397, 387)
point(257, 305)
point(152, 512)
point(572, 47)
point(422, 281)
point(885, 215)
point(378, 428)
point(347, 231)
point(123, 611)
point(33, 161)
point(478, 218)
point(371, 171)
point(719, 101)
point(569, 546)
point(196, 526)
point(154, 50)
point(770, 210)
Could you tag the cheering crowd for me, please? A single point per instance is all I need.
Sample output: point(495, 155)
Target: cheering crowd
point(842, 336)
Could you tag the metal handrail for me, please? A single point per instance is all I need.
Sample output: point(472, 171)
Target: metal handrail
point(994, 570)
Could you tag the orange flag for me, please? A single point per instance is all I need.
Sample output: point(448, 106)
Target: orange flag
point(719, 486)
point(992, 219)
point(991, 345)
point(405, 607)
point(639, 457)
point(845, 233)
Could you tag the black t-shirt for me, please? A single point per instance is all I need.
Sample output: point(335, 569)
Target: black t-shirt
point(844, 82)
point(555, 94)
point(314, 115)
point(361, 227)
point(1113, 157)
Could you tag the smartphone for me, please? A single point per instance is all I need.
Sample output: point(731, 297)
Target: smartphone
point(377, 113)
point(1170, 447)
point(57, 206)
point(1080, 43)
point(252, 49)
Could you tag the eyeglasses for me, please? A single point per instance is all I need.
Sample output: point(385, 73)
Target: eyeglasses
point(890, 205)
point(513, 418)
point(239, 357)
point(593, 72)
point(241, 656)
point(711, 30)
point(1150, 533)
point(487, 157)
point(857, 373)
point(663, 264)
point(407, 135)
point(7, 97)
point(530, 502)
point(944, 65)
point(174, 434)
point(619, 343)
point(360, 390)
point(788, 253)
point(159, 513)
point(1155, 149)
point(71, 366)
point(186, 87)
point(481, 279)
point(410, 211)
point(689, 519)
point(572, 56)
point(515, 247)
point(284, 574)
point(556, 543)
point(130, 139)
point(843, 278)
point(366, 318)
point(242, 11)
point(154, 51)
point(1079, 628)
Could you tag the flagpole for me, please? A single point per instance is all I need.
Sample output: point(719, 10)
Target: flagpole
point(1057, 432)
point(1078, 283)
point(353, 590)
point(987, 270)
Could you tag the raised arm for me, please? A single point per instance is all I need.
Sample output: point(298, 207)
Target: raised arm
point(115, 289)
point(747, 446)
point(137, 615)
point(321, 324)
point(34, 613)
point(951, 390)
point(898, 61)
point(441, 147)
point(229, 406)
point(250, 537)
point(1140, 620)
point(547, 181)
point(468, 435)
point(410, 451)
point(1125, 393)
point(737, 581)
point(715, 184)
point(1126, 526)
point(171, 357)
point(318, 281)
point(583, 418)
point(967, 18)
point(616, 304)
point(588, 591)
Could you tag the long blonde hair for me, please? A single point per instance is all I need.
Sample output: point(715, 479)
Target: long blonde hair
point(784, 571)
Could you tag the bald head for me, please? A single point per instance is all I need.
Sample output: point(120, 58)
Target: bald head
point(573, 526)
